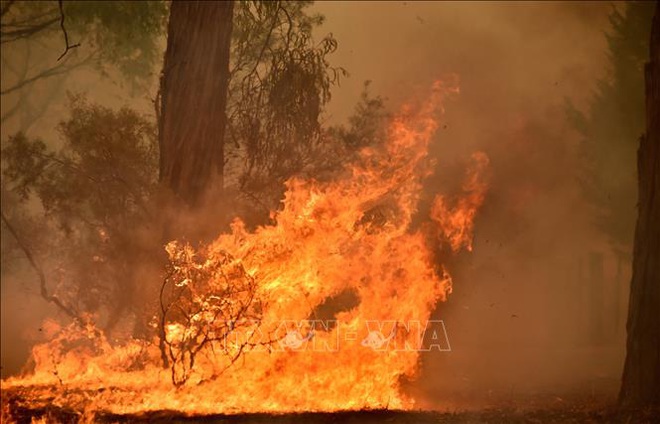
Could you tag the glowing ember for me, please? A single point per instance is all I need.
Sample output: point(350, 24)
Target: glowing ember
point(246, 319)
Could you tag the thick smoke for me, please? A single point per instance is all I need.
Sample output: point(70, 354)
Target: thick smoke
point(530, 314)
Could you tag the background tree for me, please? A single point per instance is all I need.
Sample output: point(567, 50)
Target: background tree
point(641, 376)
point(613, 124)
point(43, 41)
point(280, 83)
point(94, 192)
point(277, 84)
point(74, 204)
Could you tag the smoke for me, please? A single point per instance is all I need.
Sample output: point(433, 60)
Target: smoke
point(530, 312)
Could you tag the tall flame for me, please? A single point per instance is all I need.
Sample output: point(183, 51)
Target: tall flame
point(349, 238)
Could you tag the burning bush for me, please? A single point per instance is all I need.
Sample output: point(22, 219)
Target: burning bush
point(203, 300)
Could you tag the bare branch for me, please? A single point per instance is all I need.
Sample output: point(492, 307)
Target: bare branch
point(30, 20)
point(21, 76)
point(207, 319)
point(25, 32)
point(8, 114)
point(66, 35)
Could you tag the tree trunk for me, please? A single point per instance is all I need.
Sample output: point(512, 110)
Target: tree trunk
point(641, 375)
point(194, 96)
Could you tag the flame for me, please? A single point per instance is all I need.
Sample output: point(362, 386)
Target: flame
point(456, 223)
point(264, 289)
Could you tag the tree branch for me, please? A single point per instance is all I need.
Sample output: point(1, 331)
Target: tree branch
point(50, 72)
point(22, 95)
point(42, 278)
point(26, 32)
point(66, 35)
point(6, 8)
point(30, 21)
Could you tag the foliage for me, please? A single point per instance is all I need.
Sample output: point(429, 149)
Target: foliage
point(613, 125)
point(122, 35)
point(105, 169)
point(280, 81)
point(44, 41)
point(126, 33)
point(366, 125)
point(94, 191)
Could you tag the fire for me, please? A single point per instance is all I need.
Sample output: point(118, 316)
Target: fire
point(245, 322)
point(455, 224)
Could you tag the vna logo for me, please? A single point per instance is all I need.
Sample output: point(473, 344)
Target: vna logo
point(407, 337)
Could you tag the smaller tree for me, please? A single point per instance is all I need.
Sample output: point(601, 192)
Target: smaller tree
point(205, 298)
point(94, 193)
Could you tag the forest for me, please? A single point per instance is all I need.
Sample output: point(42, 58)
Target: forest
point(298, 211)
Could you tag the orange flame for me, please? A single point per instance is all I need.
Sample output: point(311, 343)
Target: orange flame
point(456, 223)
point(351, 235)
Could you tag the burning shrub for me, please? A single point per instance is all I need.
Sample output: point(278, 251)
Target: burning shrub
point(204, 299)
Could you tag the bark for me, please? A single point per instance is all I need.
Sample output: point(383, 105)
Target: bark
point(194, 96)
point(641, 376)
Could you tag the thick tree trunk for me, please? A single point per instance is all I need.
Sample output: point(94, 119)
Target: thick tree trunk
point(641, 376)
point(194, 97)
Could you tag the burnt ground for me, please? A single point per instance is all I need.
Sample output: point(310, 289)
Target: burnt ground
point(15, 410)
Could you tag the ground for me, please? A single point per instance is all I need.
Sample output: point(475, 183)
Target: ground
point(576, 411)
